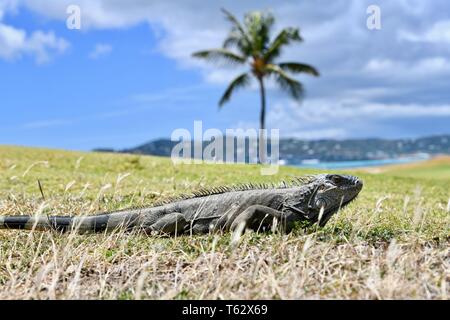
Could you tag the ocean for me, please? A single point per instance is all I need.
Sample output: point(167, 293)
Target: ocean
point(360, 163)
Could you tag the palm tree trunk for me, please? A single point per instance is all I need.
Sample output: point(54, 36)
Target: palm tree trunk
point(262, 117)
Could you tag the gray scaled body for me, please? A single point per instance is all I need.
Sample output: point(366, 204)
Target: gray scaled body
point(259, 207)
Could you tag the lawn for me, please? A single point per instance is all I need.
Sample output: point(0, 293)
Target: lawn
point(437, 168)
point(392, 242)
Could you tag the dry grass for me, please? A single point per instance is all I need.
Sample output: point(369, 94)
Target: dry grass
point(44, 266)
point(392, 243)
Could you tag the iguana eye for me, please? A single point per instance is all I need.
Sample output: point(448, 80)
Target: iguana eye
point(336, 179)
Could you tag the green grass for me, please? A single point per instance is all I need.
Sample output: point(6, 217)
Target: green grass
point(392, 242)
point(438, 168)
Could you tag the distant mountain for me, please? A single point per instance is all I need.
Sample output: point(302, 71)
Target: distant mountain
point(293, 151)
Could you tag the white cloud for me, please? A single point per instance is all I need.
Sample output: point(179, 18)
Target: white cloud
point(321, 118)
point(293, 129)
point(320, 114)
point(100, 50)
point(439, 33)
point(39, 44)
point(408, 69)
point(15, 42)
point(379, 65)
point(11, 41)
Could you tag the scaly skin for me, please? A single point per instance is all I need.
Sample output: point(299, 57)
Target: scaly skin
point(247, 206)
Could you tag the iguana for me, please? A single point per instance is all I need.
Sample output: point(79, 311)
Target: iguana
point(310, 199)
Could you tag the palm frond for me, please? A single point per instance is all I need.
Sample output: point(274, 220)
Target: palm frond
point(287, 83)
point(285, 37)
point(249, 40)
point(220, 55)
point(258, 25)
point(232, 39)
point(234, 21)
point(241, 43)
point(239, 82)
point(295, 67)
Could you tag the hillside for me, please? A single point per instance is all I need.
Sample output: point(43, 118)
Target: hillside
point(392, 242)
point(293, 151)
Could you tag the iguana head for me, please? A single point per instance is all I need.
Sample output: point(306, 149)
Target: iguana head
point(327, 192)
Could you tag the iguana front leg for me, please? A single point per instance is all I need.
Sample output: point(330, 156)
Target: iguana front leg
point(172, 223)
point(258, 217)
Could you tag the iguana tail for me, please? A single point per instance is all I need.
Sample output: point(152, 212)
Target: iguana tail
point(81, 224)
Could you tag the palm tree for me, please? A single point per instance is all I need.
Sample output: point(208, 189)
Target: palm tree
point(254, 46)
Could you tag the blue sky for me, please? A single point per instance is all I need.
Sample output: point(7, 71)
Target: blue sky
point(127, 76)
